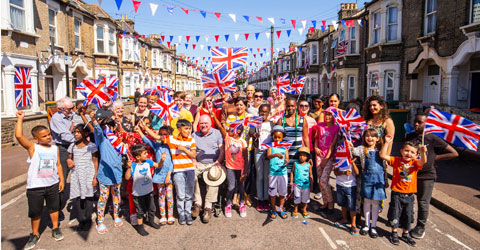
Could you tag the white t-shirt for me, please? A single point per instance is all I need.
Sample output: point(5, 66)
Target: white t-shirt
point(43, 170)
point(344, 180)
point(265, 133)
point(142, 178)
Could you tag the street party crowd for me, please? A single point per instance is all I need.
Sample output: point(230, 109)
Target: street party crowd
point(223, 155)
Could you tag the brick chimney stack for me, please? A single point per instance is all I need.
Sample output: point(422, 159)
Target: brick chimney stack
point(347, 10)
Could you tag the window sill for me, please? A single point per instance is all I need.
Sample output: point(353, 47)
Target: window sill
point(104, 54)
point(383, 44)
point(470, 27)
point(25, 33)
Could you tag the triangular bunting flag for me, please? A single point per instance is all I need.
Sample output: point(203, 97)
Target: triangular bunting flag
point(261, 54)
point(304, 22)
point(168, 44)
point(226, 38)
point(170, 10)
point(344, 24)
point(218, 15)
point(186, 46)
point(267, 34)
point(179, 39)
point(288, 32)
point(246, 36)
point(185, 10)
point(197, 38)
point(193, 46)
point(233, 17)
point(201, 47)
point(188, 38)
point(278, 33)
point(258, 50)
point(203, 13)
point(300, 49)
point(360, 22)
point(294, 22)
point(324, 25)
point(153, 8)
point(216, 38)
point(314, 23)
point(335, 25)
point(163, 38)
point(119, 3)
point(272, 20)
point(256, 35)
point(206, 38)
point(260, 19)
point(171, 38)
point(209, 47)
point(236, 36)
point(300, 31)
point(311, 30)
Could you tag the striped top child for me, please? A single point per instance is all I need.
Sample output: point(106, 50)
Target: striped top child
point(181, 161)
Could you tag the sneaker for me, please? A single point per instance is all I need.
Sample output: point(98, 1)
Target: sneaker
point(57, 234)
point(207, 215)
point(266, 206)
point(373, 233)
point(141, 230)
point(153, 224)
point(418, 233)
point(181, 220)
point(243, 211)
point(394, 239)
point(408, 239)
point(196, 210)
point(364, 231)
point(32, 241)
point(189, 220)
point(133, 219)
point(228, 211)
point(260, 207)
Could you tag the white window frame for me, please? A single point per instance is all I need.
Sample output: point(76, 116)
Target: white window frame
point(376, 29)
point(341, 81)
point(353, 40)
point(387, 88)
point(19, 8)
point(472, 11)
point(98, 40)
point(325, 52)
point(390, 25)
point(433, 14)
point(126, 48)
point(154, 58)
point(314, 53)
point(341, 38)
point(54, 9)
point(351, 79)
point(377, 87)
point(78, 34)
point(111, 41)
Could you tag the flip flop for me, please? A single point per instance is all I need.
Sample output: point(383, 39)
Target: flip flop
point(171, 221)
point(340, 224)
point(101, 228)
point(283, 215)
point(354, 231)
point(272, 214)
point(306, 215)
point(294, 215)
point(118, 222)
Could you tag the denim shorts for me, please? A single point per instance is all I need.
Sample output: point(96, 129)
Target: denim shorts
point(346, 197)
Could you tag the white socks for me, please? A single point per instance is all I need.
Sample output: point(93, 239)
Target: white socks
point(370, 207)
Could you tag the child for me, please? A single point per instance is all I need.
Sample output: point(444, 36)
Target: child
point(83, 161)
point(236, 153)
point(109, 174)
point(45, 178)
point(300, 179)
point(162, 177)
point(277, 178)
point(404, 186)
point(346, 195)
point(140, 172)
point(372, 188)
point(325, 135)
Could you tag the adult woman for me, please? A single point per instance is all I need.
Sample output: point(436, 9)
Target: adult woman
point(205, 108)
point(375, 113)
point(296, 130)
point(141, 110)
point(257, 101)
point(188, 104)
point(120, 119)
point(318, 102)
point(332, 101)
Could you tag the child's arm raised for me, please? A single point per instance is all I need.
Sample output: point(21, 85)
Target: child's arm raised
point(162, 160)
point(81, 111)
point(384, 151)
point(218, 124)
point(423, 155)
point(28, 145)
point(154, 135)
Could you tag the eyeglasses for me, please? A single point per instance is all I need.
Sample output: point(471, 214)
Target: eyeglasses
point(258, 96)
point(304, 106)
point(68, 109)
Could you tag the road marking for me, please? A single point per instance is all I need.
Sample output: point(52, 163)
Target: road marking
point(389, 245)
point(343, 244)
point(10, 202)
point(325, 235)
point(458, 242)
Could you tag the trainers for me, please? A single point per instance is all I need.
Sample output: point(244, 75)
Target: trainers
point(364, 231)
point(408, 239)
point(57, 234)
point(207, 214)
point(243, 211)
point(181, 220)
point(228, 211)
point(141, 230)
point(260, 207)
point(32, 241)
point(196, 210)
point(133, 219)
point(189, 220)
point(418, 233)
point(373, 233)
point(394, 239)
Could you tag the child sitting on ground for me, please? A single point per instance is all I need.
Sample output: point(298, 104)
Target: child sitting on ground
point(300, 180)
point(44, 179)
point(141, 173)
point(404, 186)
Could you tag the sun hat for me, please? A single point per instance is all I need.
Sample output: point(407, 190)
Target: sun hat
point(330, 110)
point(278, 128)
point(214, 176)
point(304, 150)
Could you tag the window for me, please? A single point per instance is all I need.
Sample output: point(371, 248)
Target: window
point(374, 81)
point(127, 86)
point(377, 24)
point(389, 85)
point(342, 36)
point(49, 85)
point(314, 86)
point(77, 23)
point(111, 41)
point(334, 46)
point(475, 11)
point(325, 52)
point(430, 16)
point(353, 40)
point(342, 88)
point(392, 25)
point(288, 64)
point(351, 87)
point(2, 90)
point(52, 23)
point(17, 14)
point(154, 58)
point(100, 40)
point(74, 85)
point(136, 50)
point(165, 58)
point(302, 63)
point(314, 54)
point(126, 48)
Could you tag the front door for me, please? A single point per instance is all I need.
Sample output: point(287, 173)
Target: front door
point(432, 85)
point(474, 91)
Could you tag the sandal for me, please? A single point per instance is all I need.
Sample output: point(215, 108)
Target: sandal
point(295, 215)
point(163, 221)
point(283, 215)
point(354, 231)
point(340, 224)
point(272, 214)
point(306, 215)
point(101, 228)
point(171, 220)
point(118, 222)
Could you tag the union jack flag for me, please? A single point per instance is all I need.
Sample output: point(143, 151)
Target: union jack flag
point(164, 89)
point(94, 91)
point(228, 58)
point(252, 121)
point(277, 116)
point(274, 144)
point(453, 128)
point(297, 85)
point(283, 84)
point(218, 104)
point(165, 108)
point(342, 157)
point(350, 122)
point(223, 82)
point(152, 91)
point(342, 48)
point(119, 146)
point(23, 87)
point(111, 83)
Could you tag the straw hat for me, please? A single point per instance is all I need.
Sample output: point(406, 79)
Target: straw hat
point(214, 176)
point(304, 150)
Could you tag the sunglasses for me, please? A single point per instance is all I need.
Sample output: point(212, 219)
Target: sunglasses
point(258, 96)
point(208, 100)
point(304, 106)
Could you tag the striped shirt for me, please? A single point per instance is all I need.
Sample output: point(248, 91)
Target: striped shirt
point(293, 133)
point(181, 161)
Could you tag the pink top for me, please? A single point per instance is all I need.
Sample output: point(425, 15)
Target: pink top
point(233, 153)
point(311, 124)
point(325, 136)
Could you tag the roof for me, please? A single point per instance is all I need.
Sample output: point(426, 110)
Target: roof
point(98, 12)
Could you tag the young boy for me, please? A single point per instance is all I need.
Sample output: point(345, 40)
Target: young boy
point(140, 172)
point(404, 186)
point(346, 195)
point(300, 180)
point(277, 178)
point(179, 98)
point(45, 178)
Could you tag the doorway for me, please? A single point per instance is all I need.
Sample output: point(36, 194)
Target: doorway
point(475, 89)
point(432, 85)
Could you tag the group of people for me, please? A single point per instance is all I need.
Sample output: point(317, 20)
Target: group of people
point(184, 161)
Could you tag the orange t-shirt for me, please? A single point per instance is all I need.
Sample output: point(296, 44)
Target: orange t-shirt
point(408, 182)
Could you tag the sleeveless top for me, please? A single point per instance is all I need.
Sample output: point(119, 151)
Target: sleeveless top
point(380, 129)
point(293, 133)
point(276, 164)
point(301, 175)
point(43, 167)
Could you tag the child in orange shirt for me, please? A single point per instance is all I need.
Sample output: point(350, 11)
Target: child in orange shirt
point(404, 186)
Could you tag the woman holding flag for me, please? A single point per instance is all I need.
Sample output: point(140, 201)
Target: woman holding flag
point(375, 113)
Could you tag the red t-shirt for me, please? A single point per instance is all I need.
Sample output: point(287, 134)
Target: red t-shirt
point(407, 183)
point(204, 112)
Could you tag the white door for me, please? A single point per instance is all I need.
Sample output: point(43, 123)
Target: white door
point(432, 85)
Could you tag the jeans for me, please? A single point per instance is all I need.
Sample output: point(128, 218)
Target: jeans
point(262, 168)
point(145, 205)
point(424, 195)
point(212, 192)
point(235, 185)
point(184, 185)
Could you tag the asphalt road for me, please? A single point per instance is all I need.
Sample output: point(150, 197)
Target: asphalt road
point(252, 232)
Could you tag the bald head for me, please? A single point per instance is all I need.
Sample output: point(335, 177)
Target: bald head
point(205, 124)
point(250, 91)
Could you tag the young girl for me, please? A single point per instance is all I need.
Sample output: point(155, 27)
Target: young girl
point(300, 179)
point(84, 164)
point(373, 182)
point(325, 134)
point(236, 152)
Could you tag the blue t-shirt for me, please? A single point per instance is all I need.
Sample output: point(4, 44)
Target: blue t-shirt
point(110, 165)
point(142, 178)
point(301, 175)
point(276, 164)
point(160, 174)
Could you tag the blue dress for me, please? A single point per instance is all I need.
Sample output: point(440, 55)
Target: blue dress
point(373, 181)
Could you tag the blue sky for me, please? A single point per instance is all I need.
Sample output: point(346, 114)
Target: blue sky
point(193, 24)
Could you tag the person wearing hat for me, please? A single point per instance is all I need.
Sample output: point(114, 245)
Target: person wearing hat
point(210, 155)
point(300, 180)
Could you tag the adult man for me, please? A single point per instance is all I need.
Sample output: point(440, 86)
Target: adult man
point(249, 92)
point(257, 101)
point(137, 95)
point(210, 152)
point(427, 175)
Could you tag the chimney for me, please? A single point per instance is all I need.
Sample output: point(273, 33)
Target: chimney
point(347, 10)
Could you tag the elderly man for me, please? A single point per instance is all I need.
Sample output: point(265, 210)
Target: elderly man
point(210, 152)
point(249, 92)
